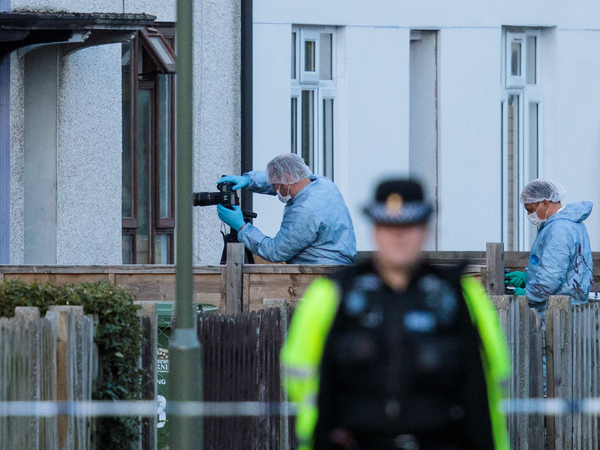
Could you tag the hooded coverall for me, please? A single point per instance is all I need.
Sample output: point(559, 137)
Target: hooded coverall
point(316, 226)
point(560, 262)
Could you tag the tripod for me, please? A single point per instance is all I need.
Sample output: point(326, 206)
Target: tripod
point(232, 236)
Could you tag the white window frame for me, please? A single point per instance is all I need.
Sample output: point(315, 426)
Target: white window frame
point(515, 81)
point(314, 35)
point(324, 89)
point(528, 94)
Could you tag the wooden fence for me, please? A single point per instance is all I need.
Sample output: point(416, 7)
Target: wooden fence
point(570, 342)
point(241, 363)
point(55, 359)
point(51, 358)
point(239, 287)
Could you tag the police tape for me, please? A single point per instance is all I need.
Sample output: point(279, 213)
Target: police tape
point(551, 406)
point(142, 408)
point(148, 408)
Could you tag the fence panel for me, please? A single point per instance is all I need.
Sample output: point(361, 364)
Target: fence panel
point(523, 330)
point(46, 359)
point(241, 363)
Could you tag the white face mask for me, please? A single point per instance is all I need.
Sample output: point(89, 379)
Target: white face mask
point(534, 219)
point(284, 199)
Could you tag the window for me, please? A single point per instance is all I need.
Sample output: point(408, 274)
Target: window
point(313, 103)
point(148, 206)
point(521, 135)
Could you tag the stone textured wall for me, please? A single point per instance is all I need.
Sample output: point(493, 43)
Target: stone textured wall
point(89, 157)
point(17, 158)
point(89, 135)
point(216, 113)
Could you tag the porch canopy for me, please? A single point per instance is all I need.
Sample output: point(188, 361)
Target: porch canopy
point(25, 31)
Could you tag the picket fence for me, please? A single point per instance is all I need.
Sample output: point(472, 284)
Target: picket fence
point(46, 359)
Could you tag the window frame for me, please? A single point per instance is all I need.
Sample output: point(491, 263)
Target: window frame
point(528, 94)
point(324, 89)
point(157, 225)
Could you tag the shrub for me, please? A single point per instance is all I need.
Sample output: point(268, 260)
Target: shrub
point(118, 336)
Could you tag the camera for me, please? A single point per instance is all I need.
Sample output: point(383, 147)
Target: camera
point(226, 196)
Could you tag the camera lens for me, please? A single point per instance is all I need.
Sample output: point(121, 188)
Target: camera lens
point(207, 198)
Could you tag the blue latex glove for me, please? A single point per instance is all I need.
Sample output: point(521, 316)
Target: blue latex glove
point(232, 217)
point(519, 291)
point(239, 180)
point(516, 279)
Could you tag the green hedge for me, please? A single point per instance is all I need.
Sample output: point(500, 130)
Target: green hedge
point(118, 337)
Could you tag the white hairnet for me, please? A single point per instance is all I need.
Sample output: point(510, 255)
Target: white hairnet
point(540, 190)
point(288, 168)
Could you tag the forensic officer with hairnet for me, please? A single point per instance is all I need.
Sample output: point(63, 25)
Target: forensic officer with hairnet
point(560, 262)
point(395, 353)
point(316, 226)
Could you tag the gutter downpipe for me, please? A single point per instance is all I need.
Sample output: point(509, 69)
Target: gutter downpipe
point(246, 96)
point(185, 383)
point(5, 153)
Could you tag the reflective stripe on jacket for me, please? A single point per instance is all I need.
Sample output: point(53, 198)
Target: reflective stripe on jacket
point(314, 316)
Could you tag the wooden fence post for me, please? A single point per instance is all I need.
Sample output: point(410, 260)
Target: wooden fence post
point(148, 317)
point(494, 255)
point(284, 422)
point(65, 322)
point(29, 324)
point(233, 273)
point(559, 358)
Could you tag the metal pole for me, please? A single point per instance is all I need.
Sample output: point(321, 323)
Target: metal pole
point(247, 92)
point(185, 381)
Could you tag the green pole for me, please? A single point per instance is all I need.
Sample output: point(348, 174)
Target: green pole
point(185, 380)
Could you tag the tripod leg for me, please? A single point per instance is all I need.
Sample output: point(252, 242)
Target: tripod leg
point(249, 257)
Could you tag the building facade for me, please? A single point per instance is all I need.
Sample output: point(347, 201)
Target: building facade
point(475, 98)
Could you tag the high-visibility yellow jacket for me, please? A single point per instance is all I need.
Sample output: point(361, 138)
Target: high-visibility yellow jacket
point(312, 321)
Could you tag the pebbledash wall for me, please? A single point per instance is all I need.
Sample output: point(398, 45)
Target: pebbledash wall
point(372, 136)
point(65, 192)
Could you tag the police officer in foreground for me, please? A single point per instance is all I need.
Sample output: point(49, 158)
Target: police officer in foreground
point(395, 353)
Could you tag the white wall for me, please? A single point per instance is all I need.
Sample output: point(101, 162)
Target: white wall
point(373, 39)
point(575, 160)
point(470, 142)
point(377, 104)
point(271, 112)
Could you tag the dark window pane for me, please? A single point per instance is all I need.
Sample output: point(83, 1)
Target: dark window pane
point(162, 249)
point(310, 56)
point(533, 141)
point(164, 146)
point(308, 127)
point(127, 248)
point(515, 58)
point(328, 138)
point(531, 60)
point(513, 172)
point(144, 144)
point(326, 63)
point(294, 125)
point(294, 56)
point(127, 156)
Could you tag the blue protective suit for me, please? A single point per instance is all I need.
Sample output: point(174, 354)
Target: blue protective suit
point(560, 262)
point(316, 226)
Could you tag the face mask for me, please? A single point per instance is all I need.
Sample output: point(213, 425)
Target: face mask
point(282, 198)
point(534, 219)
